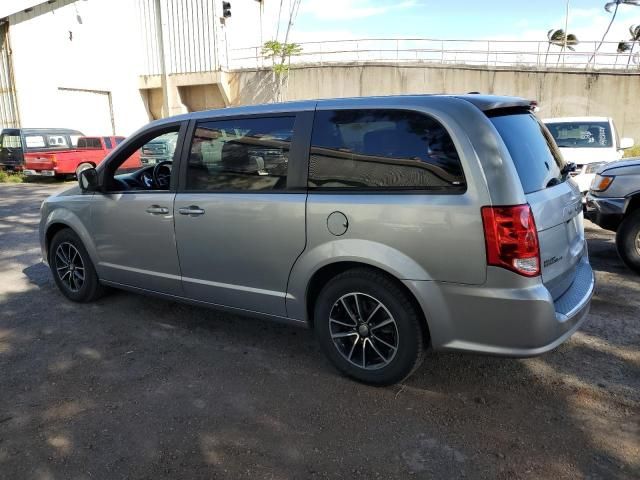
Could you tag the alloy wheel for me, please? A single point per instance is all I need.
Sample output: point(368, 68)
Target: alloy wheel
point(69, 266)
point(363, 331)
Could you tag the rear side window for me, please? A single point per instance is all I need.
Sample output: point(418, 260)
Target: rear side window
point(382, 149)
point(57, 141)
point(35, 141)
point(246, 154)
point(107, 143)
point(534, 153)
point(581, 134)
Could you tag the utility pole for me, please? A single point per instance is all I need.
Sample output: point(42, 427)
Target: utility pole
point(164, 79)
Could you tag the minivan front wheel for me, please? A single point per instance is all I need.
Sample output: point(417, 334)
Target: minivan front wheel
point(72, 268)
point(369, 327)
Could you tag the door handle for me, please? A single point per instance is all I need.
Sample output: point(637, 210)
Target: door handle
point(157, 210)
point(192, 210)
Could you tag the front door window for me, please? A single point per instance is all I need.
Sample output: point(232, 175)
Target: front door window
point(146, 164)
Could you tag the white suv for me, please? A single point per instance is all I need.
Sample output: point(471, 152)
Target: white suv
point(589, 142)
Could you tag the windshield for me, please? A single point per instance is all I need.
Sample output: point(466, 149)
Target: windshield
point(537, 160)
point(581, 134)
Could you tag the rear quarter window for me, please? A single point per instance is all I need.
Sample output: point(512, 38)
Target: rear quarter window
point(382, 150)
point(532, 149)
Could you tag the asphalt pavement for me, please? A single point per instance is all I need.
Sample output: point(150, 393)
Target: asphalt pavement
point(136, 387)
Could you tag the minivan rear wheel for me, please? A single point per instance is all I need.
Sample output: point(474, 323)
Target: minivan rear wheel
point(628, 241)
point(369, 327)
point(72, 268)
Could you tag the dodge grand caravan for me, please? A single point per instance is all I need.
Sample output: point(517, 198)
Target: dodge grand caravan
point(389, 225)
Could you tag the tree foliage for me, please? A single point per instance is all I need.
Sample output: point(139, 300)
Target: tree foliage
point(561, 39)
point(612, 7)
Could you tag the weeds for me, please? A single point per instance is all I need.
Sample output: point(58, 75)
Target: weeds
point(632, 152)
point(11, 177)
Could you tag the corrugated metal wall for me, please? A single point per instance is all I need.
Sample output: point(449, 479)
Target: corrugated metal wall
point(189, 33)
point(9, 117)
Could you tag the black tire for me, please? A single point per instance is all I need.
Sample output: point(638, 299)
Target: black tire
point(384, 365)
point(628, 241)
point(67, 248)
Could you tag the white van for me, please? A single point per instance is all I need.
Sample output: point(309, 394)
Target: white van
point(589, 142)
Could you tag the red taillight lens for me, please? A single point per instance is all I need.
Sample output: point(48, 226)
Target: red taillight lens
point(512, 239)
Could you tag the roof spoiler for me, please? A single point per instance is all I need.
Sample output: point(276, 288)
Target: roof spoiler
point(492, 102)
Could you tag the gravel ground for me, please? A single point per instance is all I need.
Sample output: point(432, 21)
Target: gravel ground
point(135, 387)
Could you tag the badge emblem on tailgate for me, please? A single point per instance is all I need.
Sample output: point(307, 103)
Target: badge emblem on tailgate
point(572, 210)
point(550, 261)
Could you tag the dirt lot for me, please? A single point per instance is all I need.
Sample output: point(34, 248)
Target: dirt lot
point(134, 387)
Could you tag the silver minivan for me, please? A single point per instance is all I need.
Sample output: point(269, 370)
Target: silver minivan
point(388, 224)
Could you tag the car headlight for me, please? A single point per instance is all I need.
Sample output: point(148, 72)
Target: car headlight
point(601, 183)
point(593, 167)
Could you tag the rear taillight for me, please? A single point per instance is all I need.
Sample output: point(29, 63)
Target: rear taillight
point(511, 239)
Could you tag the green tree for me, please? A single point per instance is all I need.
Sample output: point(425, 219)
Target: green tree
point(634, 30)
point(623, 47)
point(608, 6)
point(281, 52)
point(558, 38)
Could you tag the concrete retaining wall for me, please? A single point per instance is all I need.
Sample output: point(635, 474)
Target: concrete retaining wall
point(558, 93)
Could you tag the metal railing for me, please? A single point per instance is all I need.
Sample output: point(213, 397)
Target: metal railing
point(487, 53)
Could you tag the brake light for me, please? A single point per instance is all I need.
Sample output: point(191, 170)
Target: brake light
point(53, 159)
point(511, 239)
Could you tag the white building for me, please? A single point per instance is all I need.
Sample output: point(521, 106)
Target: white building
point(95, 65)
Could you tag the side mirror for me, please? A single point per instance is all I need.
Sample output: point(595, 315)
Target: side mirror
point(88, 180)
point(626, 143)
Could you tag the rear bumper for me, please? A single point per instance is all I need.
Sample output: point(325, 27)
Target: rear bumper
point(39, 173)
point(511, 322)
point(12, 167)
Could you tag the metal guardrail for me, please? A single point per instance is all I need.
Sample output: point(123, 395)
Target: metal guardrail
point(488, 53)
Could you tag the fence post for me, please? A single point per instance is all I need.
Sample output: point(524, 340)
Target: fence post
point(442, 51)
point(397, 50)
point(488, 50)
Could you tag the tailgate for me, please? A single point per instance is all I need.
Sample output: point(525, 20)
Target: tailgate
point(39, 161)
point(558, 215)
point(555, 200)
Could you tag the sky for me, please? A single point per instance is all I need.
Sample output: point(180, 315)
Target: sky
point(319, 20)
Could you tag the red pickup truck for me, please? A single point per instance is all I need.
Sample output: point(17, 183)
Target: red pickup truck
point(89, 153)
